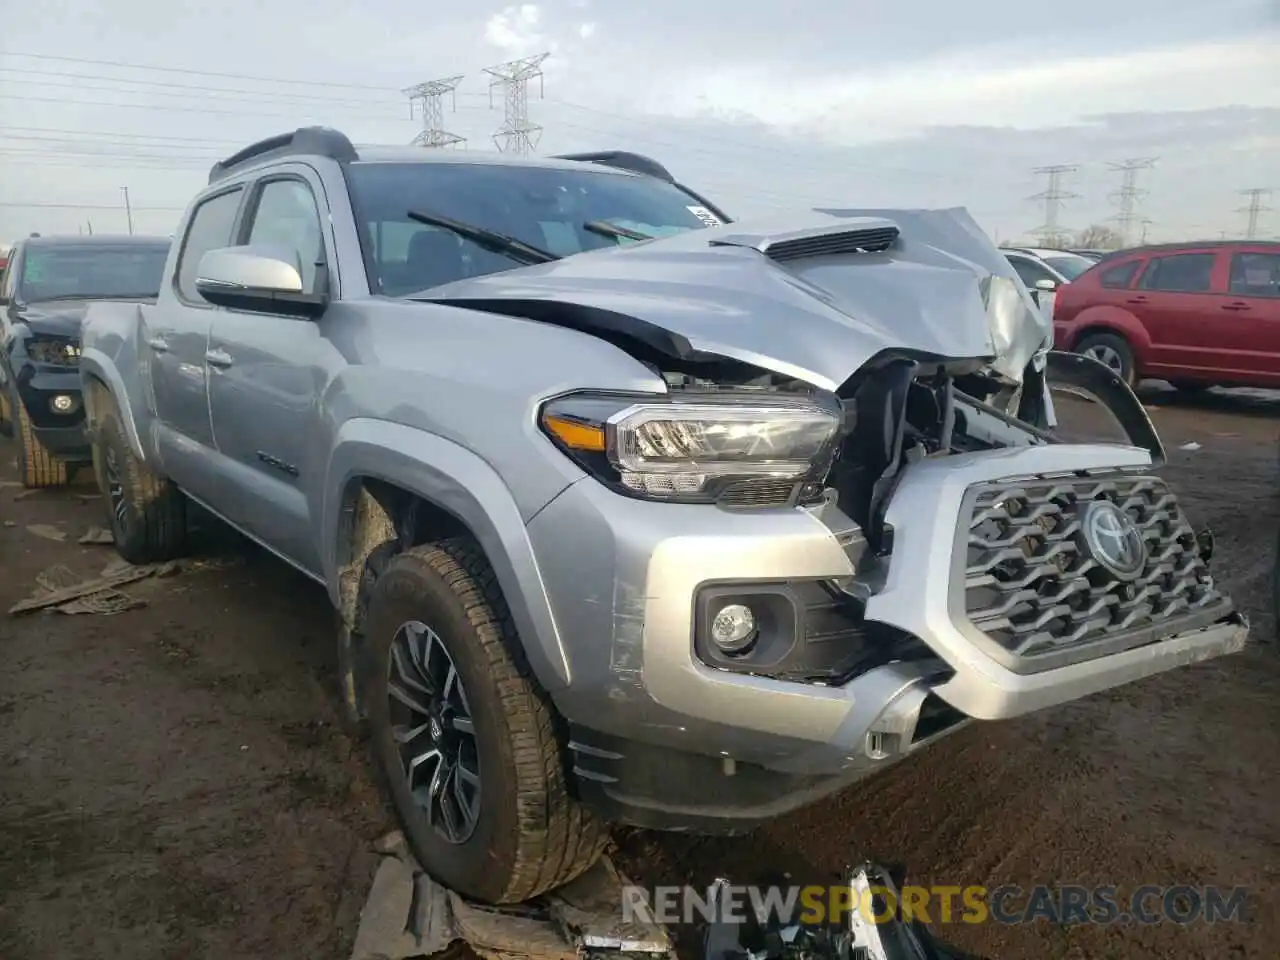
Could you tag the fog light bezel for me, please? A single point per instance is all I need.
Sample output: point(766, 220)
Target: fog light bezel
point(778, 612)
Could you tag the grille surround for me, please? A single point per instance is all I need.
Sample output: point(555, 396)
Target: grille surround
point(1025, 590)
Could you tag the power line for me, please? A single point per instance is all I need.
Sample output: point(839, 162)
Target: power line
point(197, 73)
point(1254, 210)
point(169, 88)
point(432, 93)
point(1050, 232)
point(517, 134)
point(34, 205)
point(1129, 196)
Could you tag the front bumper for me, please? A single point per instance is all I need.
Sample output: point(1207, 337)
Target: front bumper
point(62, 434)
point(724, 749)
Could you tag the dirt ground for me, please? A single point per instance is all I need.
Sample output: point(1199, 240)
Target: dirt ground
point(175, 783)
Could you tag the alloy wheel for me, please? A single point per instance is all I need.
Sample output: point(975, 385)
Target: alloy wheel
point(115, 490)
point(1106, 356)
point(433, 731)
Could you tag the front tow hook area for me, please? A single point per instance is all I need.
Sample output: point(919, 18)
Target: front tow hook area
point(873, 927)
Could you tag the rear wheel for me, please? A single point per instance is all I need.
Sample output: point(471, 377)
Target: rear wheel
point(463, 736)
point(146, 512)
point(1112, 351)
point(37, 467)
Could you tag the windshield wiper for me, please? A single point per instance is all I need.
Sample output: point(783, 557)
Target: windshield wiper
point(606, 229)
point(489, 240)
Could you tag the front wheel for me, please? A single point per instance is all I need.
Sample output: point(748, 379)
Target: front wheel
point(1111, 351)
point(463, 737)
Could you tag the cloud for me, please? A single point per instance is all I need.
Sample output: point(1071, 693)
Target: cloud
point(586, 30)
point(1028, 87)
point(515, 29)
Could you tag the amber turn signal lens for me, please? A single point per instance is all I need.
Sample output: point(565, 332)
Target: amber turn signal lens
point(574, 434)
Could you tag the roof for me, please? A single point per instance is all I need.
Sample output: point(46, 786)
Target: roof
point(1193, 245)
point(96, 240)
point(384, 154)
point(1040, 252)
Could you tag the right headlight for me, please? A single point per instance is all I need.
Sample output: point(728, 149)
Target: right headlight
point(693, 449)
point(62, 351)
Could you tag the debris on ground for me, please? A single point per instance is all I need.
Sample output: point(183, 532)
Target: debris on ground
point(98, 535)
point(407, 915)
point(62, 590)
point(47, 531)
point(1190, 446)
point(23, 494)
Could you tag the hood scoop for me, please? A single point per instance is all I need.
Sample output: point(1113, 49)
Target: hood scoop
point(866, 235)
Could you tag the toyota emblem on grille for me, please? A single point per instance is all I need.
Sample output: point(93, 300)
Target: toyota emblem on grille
point(1113, 539)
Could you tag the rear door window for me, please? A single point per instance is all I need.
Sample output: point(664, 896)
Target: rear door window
point(1121, 276)
point(210, 229)
point(1180, 273)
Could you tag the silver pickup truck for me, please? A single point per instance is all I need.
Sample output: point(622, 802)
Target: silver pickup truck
point(633, 513)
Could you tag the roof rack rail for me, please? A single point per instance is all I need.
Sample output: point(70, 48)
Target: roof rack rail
point(635, 162)
point(315, 141)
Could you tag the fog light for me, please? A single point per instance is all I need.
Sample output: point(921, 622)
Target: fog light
point(733, 629)
point(63, 403)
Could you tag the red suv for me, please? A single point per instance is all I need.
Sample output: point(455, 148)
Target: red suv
point(1194, 314)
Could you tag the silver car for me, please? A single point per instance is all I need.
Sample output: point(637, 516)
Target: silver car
point(632, 513)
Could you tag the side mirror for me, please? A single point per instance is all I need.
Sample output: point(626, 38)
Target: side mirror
point(1044, 283)
point(257, 280)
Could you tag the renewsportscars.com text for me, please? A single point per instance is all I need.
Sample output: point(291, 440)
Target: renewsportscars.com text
point(1063, 904)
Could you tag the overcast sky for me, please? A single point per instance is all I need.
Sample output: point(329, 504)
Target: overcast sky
point(759, 105)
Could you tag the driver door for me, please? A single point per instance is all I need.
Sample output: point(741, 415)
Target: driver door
point(266, 375)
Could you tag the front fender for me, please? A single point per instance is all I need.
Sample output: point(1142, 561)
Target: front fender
point(1077, 372)
point(456, 480)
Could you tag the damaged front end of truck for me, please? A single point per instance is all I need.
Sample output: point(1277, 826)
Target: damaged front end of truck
point(992, 568)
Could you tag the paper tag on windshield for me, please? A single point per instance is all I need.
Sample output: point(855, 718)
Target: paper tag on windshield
point(706, 216)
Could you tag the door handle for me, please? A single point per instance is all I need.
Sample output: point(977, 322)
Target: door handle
point(218, 358)
point(1236, 305)
point(158, 344)
point(1136, 300)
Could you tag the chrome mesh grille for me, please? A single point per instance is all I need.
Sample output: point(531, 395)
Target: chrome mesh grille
point(1032, 587)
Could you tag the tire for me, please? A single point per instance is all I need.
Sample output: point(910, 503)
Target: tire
point(146, 512)
point(37, 467)
point(1115, 349)
point(527, 835)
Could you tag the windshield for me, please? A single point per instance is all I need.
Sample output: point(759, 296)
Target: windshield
point(91, 272)
point(547, 208)
point(1070, 266)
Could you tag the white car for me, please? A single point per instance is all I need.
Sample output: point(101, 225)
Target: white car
point(1044, 270)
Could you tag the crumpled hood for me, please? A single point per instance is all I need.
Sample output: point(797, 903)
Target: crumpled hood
point(54, 318)
point(818, 318)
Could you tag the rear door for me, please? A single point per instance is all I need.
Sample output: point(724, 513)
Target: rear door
point(1252, 307)
point(1178, 300)
point(175, 339)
